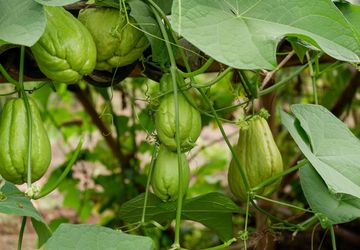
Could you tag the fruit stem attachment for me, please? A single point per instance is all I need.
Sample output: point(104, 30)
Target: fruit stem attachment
point(68, 167)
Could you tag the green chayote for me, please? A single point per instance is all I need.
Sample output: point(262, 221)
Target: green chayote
point(165, 178)
point(118, 42)
point(259, 157)
point(66, 51)
point(14, 142)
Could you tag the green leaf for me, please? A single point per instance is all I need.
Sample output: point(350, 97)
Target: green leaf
point(42, 230)
point(21, 21)
point(165, 5)
point(94, 237)
point(146, 20)
point(17, 204)
point(245, 33)
point(214, 210)
point(56, 2)
point(352, 13)
point(337, 208)
point(329, 146)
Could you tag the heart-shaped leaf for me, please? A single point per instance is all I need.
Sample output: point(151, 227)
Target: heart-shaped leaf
point(214, 210)
point(21, 21)
point(329, 146)
point(245, 33)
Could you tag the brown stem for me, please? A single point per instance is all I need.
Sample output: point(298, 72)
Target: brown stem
point(105, 131)
point(347, 95)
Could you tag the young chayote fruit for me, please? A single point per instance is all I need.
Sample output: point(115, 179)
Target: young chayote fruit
point(14, 138)
point(118, 43)
point(66, 51)
point(259, 157)
point(189, 119)
point(165, 177)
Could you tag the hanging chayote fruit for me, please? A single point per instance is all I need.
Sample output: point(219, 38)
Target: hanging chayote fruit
point(189, 119)
point(118, 40)
point(66, 51)
point(165, 177)
point(259, 157)
point(14, 138)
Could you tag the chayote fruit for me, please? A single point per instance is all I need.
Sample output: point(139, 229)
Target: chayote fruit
point(165, 177)
point(259, 157)
point(189, 119)
point(66, 51)
point(14, 142)
point(118, 43)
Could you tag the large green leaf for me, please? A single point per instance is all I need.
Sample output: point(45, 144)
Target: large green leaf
point(337, 208)
point(245, 33)
point(21, 21)
point(329, 146)
point(214, 210)
point(94, 237)
point(16, 203)
point(352, 13)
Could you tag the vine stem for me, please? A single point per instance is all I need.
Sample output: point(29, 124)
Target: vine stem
point(173, 70)
point(333, 238)
point(152, 162)
point(313, 76)
point(199, 71)
point(277, 176)
point(8, 77)
point(64, 174)
point(21, 234)
point(28, 113)
point(280, 65)
point(212, 82)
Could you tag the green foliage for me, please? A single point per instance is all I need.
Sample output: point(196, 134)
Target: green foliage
point(110, 184)
point(243, 47)
point(24, 23)
point(328, 145)
point(214, 210)
point(93, 237)
point(15, 202)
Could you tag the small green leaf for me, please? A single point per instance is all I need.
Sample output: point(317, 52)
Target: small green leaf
point(42, 230)
point(21, 21)
point(214, 210)
point(94, 237)
point(56, 2)
point(329, 146)
point(146, 20)
point(16, 203)
point(337, 208)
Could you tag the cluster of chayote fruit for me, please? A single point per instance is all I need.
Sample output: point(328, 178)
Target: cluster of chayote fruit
point(101, 38)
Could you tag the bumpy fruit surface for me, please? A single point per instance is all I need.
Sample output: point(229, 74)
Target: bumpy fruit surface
point(14, 143)
point(118, 43)
point(66, 51)
point(189, 120)
point(165, 178)
point(259, 157)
